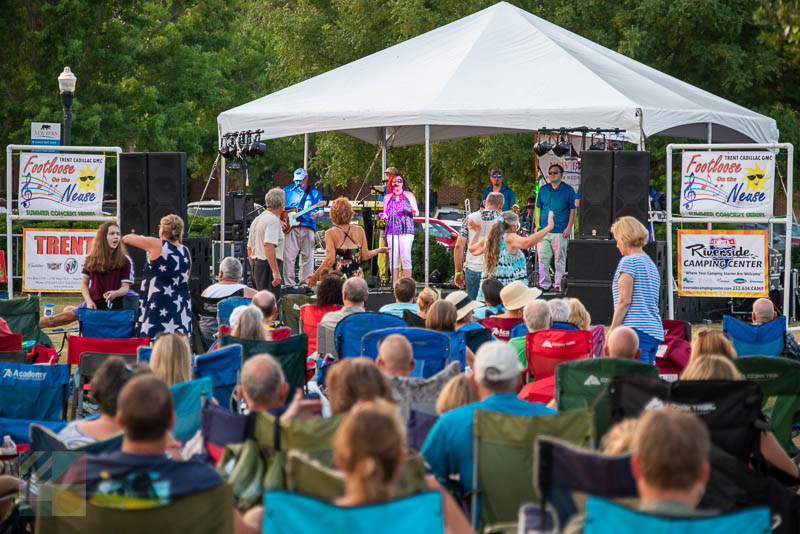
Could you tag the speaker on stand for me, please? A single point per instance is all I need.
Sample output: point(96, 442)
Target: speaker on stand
point(133, 202)
point(597, 167)
point(166, 182)
point(632, 184)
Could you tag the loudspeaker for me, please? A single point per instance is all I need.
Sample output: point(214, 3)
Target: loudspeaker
point(596, 297)
point(592, 260)
point(133, 193)
point(597, 168)
point(166, 190)
point(631, 184)
point(237, 206)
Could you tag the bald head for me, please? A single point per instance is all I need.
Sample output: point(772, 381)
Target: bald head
point(395, 356)
point(623, 343)
point(763, 311)
point(265, 301)
point(263, 384)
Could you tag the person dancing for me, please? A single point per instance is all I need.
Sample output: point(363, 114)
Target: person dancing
point(399, 210)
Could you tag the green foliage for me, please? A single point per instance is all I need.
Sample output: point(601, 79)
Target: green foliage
point(201, 226)
point(440, 258)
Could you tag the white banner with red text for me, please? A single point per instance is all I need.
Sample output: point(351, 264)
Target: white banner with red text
point(53, 259)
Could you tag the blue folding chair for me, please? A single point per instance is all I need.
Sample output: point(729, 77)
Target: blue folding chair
point(767, 339)
point(294, 513)
point(431, 349)
point(189, 398)
point(222, 366)
point(44, 439)
point(603, 516)
point(519, 330)
point(32, 394)
point(351, 329)
point(226, 307)
point(143, 354)
point(458, 347)
point(106, 324)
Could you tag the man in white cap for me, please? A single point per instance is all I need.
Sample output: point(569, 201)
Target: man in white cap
point(448, 448)
point(300, 239)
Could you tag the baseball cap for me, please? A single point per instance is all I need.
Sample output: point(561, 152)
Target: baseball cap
point(391, 170)
point(516, 295)
point(462, 302)
point(300, 174)
point(496, 361)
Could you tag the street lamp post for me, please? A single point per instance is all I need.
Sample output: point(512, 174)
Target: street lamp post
point(66, 85)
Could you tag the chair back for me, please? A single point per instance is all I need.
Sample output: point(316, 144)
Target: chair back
point(418, 426)
point(730, 408)
point(477, 337)
point(221, 427)
point(32, 394)
point(89, 363)
point(767, 339)
point(431, 349)
point(582, 384)
point(412, 319)
point(106, 324)
point(289, 309)
point(290, 352)
point(189, 398)
point(501, 327)
point(598, 339)
point(13, 356)
point(206, 512)
point(222, 366)
point(502, 455)
point(779, 379)
point(519, 330)
point(351, 329)
point(226, 307)
point(561, 469)
point(604, 516)
point(44, 439)
point(675, 351)
point(292, 513)
point(458, 347)
point(22, 316)
point(284, 332)
point(77, 345)
point(11, 343)
point(545, 349)
point(144, 353)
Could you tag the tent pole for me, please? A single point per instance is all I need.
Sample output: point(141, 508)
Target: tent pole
point(305, 152)
point(222, 189)
point(427, 200)
point(710, 140)
point(640, 144)
point(383, 151)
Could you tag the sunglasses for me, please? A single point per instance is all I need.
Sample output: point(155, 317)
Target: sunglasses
point(397, 182)
point(497, 176)
point(86, 178)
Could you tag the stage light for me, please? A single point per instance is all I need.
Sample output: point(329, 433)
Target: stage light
point(561, 148)
point(616, 145)
point(542, 147)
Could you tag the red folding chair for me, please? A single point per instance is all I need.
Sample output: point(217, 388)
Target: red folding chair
point(545, 349)
point(77, 345)
point(675, 351)
point(501, 326)
point(11, 342)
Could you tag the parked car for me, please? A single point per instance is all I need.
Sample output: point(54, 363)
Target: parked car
point(778, 233)
point(441, 231)
point(451, 215)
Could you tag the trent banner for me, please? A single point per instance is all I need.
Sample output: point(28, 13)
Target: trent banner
point(727, 184)
point(53, 259)
point(723, 263)
point(61, 185)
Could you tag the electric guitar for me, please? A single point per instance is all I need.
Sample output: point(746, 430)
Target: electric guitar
point(290, 216)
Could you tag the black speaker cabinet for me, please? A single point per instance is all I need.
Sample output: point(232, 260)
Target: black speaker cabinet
point(592, 260)
point(596, 297)
point(237, 206)
point(631, 184)
point(166, 187)
point(596, 184)
point(133, 193)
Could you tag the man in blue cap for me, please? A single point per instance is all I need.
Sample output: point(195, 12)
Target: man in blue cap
point(300, 239)
point(496, 176)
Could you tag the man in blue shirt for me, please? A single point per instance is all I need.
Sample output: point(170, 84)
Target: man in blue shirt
point(300, 239)
point(448, 447)
point(499, 187)
point(559, 198)
point(404, 291)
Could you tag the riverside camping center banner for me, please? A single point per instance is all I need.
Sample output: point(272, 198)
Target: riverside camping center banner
point(723, 263)
point(61, 185)
point(53, 259)
point(727, 184)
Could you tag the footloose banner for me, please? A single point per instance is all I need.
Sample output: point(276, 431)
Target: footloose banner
point(727, 263)
point(727, 184)
point(61, 185)
point(54, 258)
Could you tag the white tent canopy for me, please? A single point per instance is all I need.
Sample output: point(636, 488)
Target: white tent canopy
point(500, 70)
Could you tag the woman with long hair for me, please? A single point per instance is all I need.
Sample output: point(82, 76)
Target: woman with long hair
point(106, 278)
point(345, 244)
point(442, 317)
point(250, 325)
point(171, 360)
point(166, 304)
point(503, 248)
point(329, 298)
point(399, 210)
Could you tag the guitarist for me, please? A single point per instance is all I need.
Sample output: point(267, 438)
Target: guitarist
point(300, 239)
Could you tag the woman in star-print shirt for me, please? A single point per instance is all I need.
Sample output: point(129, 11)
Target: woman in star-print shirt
point(166, 304)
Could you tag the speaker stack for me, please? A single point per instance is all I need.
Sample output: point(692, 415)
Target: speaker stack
point(152, 185)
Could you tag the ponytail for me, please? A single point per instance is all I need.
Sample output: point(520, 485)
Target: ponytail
point(506, 221)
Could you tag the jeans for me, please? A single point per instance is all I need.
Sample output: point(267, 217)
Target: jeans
point(473, 281)
point(648, 345)
point(553, 245)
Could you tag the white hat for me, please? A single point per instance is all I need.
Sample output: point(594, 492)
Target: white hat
point(462, 302)
point(516, 295)
point(300, 174)
point(496, 361)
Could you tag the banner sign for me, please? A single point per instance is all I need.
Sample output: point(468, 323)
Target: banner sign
point(45, 133)
point(723, 263)
point(61, 185)
point(727, 184)
point(53, 259)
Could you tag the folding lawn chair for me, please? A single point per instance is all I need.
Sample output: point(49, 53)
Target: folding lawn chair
point(351, 329)
point(289, 309)
point(767, 339)
point(12, 342)
point(32, 394)
point(89, 363)
point(545, 349)
point(44, 439)
point(22, 316)
point(143, 353)
point(77, 345)
point(519, 330)
point(431, 349)
point(221, 427)
point(675, 351)
point(458, 347)
point(476, 337)
point(501, 327)
point(292, 513)
point(106, 324)
point(226, 307)
point(189, 398)
point(222, 366)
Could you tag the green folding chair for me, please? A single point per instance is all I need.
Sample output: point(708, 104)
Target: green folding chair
point(290, 352)
point(582, 384)
point(22, 315)
point(502, 455)
point(66, 512)
point(289, 310)
point(779, 379)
